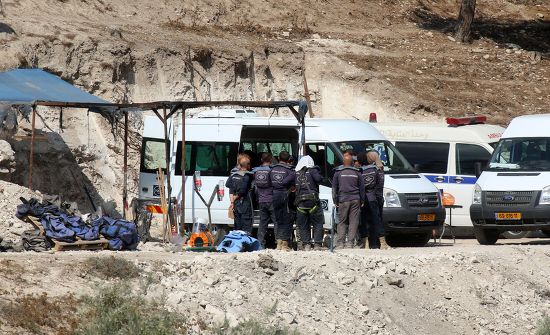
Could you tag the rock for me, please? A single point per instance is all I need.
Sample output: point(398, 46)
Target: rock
point(394, 281)
point(474, 260)
point(210, 281)
point(285, 34)
point(452, 39)
point(347, 280)
point(392, 266)
point(381, 271)
point(478, 50)
point(363, 309)
point(315, 36)
point(540, 16)
point(419, 71)
point(486, 57)
point(266, 261)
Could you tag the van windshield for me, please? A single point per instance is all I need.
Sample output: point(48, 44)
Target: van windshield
point(521, 154)
point(392, 159)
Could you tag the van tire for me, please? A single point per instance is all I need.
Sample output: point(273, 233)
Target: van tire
point(486, 236)
point(408, 240)
point(546, 232)
point(514, 234)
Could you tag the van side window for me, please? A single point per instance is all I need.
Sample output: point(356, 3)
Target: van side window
point(466, 157)
point(426, 157)
point(210, 158)
point(153, 155)
point(325, 158)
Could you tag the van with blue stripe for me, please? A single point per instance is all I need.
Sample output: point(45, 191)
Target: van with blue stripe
point(449, 154)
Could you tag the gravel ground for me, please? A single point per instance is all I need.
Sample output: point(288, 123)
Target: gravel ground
point(449, 289)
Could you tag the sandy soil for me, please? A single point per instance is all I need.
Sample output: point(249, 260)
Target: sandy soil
point(460, 289)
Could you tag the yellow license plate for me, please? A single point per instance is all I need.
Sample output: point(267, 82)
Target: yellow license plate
point(508, 216)
point(426, 217)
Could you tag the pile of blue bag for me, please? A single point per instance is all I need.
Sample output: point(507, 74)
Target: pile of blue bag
point(239, 241)
point(63, 226)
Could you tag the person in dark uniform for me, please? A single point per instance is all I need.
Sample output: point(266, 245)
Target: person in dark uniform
point(264, 190)
point(374, 158)
point(348, 193)
point(282, 178)
point(309, 211)
point(370, 213)
point(239, 184)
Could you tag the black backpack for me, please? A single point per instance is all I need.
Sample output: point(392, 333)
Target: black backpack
point(311, 197)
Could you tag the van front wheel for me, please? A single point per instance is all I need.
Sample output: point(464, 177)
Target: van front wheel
point(486, 236)
point(408, 240)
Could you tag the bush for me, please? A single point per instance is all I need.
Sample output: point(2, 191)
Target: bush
point(119, 310)
point(111, 267)
point(544, 326)
point(41, 314)
point(251, 327)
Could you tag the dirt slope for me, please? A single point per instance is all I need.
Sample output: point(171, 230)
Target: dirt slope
point(465, 289)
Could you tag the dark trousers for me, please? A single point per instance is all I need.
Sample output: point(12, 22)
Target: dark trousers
point(380, 201)
point(306, 220)
point(267, 216)
point(374, 224)
point(282, 216)
point(349, 215)
point(243, 215)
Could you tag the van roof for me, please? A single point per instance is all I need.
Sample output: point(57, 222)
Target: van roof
point(317, 130)
point(536, 125)
point(440, 132)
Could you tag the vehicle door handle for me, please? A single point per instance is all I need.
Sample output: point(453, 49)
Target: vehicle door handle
point(440, 179)
point(459, 180)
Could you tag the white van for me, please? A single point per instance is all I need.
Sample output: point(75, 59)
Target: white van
point(212, 145)
point(514, 192)
point(448, 154)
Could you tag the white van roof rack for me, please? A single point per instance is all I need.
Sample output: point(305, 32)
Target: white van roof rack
point(227, 113)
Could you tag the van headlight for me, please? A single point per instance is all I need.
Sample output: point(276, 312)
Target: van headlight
point(545, 196)
point(477, 195)
point(391, 198)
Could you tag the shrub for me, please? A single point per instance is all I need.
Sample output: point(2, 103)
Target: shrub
point(41, 313)
point(251, 327)
point(119, 310)
point(544, 326)
point(111, 268)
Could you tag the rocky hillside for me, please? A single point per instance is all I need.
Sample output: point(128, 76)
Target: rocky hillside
point(396, 58)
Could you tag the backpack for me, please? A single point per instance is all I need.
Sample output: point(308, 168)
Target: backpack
point(302, 199)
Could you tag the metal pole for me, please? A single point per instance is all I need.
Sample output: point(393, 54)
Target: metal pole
point(183, 164)
point(31, 158)
point(125, 168)
point(168, 186)
point(307, 96)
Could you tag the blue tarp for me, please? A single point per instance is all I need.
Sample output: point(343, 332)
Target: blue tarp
point(27, 86)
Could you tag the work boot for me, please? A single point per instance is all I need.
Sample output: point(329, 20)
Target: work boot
point(278, 244)
point(367, 246)
point(383, 244)
point(284, 246)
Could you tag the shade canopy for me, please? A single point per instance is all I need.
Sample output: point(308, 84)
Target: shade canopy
point(33, 86)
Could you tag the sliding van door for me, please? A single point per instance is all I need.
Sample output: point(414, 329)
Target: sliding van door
point(461, 183)
point(212, 150)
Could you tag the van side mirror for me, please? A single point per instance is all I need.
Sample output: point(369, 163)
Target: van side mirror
point(478, 169)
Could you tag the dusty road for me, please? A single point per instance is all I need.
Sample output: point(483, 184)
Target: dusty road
point(449, 289)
